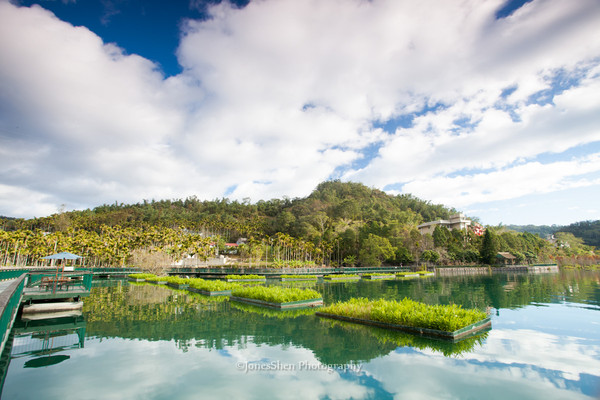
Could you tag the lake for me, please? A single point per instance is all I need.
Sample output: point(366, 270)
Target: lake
point(142, 341)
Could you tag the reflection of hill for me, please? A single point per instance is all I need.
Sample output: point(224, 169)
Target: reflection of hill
point(201, 321)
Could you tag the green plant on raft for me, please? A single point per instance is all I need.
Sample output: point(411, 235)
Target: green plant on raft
point(141, 276)
point(342, 276)
point(407, 312)
point(244, 277)
point(176, 280)
point(212, 285)
point(299, 276)
point(380, 274)
point(156, 279)
point(274, 294)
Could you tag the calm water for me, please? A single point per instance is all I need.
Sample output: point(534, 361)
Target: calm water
point(151, 342)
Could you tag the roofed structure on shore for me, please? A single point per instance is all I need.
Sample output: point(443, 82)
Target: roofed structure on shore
point(504, 257)
point(456, 221)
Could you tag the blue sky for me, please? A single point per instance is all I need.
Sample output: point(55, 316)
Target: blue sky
point(488, 107)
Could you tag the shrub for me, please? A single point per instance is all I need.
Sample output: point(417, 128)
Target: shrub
point(141, 276)
point(244, 277)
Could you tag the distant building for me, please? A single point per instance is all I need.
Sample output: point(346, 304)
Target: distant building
point(456, 221)
point(506, 258)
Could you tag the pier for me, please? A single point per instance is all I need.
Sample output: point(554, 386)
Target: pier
point(22, 286)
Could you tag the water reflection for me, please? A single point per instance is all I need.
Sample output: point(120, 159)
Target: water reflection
point(545, 343)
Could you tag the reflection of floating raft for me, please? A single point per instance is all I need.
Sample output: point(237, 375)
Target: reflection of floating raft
point(282, 306)
point(52, 307)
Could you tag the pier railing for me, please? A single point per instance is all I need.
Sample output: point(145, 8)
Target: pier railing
point(10, 300)
point(52, 280)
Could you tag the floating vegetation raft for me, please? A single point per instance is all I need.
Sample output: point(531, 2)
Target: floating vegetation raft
point(447, 322)
point(341, 277)
point(211, 288)
point(140, 277)
point(277, 297)
point(160, 280)
point(414, 274)
point(378, 276)
point(245, 278)
point(286, 278)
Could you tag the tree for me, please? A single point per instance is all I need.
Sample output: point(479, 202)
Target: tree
point(374, 250)
point(441, 236)
point(430, 255)
point(350, 261)
point(489, 247)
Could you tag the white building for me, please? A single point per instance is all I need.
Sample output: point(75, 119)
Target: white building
point(456, 221)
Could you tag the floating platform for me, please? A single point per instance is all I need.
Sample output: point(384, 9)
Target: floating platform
point(37, 316)
point(297, 279)
point(178, 285)
point(455, 336)
point(281, 306)
point(52, 307)
point(247, 280)
point(342, 278)
point(407, 275)
point(378, 277)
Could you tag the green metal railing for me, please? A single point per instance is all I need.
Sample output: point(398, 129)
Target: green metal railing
point(10, 300)
point(109, 271)
point(83, 278)
point(11, 273)
point(279, 271)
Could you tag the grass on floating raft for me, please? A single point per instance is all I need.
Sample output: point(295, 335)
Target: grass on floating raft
point(211, 286)
point(349, 276)
point(156, 279)
point(275, 294)
point(448, 318)
point(244, 277)
point(176, 280)
point(141, 276)
point(380, 274)
point(299, 276)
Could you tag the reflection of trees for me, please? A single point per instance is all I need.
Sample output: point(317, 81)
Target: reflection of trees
point(136, 312)
point(497, 290)
point(153, 312)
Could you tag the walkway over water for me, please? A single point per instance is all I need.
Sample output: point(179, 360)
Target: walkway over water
point(17, 286)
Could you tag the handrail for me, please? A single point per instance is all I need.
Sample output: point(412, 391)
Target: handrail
point(10, 300)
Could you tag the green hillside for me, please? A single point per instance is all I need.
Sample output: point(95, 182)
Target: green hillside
point(337, 224)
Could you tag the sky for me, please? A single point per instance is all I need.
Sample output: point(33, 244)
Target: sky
point(489, 107)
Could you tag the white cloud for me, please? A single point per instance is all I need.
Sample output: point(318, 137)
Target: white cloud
point(511, 364)
point(159, 369)
point(508, 183)
point(277, 96)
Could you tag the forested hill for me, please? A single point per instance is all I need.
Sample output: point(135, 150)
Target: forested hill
point(589, 231)
point(542, 230)
point(332, 203)
point(337, 224)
